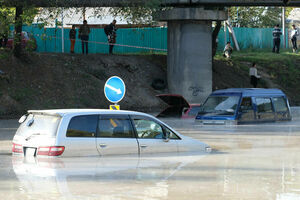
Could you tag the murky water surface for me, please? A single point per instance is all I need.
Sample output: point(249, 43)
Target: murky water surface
point(248, 162)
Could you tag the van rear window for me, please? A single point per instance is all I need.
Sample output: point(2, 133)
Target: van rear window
point(280, 104)
point(264, 105)
point(39, 125)
point(83, 126)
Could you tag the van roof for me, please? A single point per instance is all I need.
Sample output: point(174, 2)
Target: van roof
point(249, 91)
point(62, 112)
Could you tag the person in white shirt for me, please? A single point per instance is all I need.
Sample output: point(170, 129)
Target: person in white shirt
point(253, 75)
point(294, 34)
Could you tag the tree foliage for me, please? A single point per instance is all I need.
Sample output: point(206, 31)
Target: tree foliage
point(143, 14)
point(256, 17)
point(7, 14)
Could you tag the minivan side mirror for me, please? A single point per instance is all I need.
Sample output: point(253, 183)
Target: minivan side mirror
point(167, 136)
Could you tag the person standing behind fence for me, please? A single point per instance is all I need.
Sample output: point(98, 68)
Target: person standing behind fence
point(294, 34)
point(276, 38)
point(84, 32)
point(253, 75)
point(111, 33)
point(72, 36)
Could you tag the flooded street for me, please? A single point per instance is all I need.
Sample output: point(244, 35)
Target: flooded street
point(247, 162)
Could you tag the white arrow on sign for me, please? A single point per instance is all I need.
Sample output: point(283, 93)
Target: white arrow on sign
point(118, 91)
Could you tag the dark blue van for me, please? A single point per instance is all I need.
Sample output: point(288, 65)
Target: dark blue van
point(242, 105)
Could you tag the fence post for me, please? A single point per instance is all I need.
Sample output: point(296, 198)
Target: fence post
point(62, 32)
point(283, 27)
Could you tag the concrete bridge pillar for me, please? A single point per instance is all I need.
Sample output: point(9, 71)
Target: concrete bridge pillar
point(190, 51)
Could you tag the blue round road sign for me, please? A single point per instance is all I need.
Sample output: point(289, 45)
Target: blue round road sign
point(114, 89)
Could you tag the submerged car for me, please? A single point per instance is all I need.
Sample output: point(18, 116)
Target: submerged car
point(242, 105)
point(178, 107)
point(91, 132)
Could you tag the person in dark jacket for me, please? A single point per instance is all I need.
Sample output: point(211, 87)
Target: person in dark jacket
point(72, 36)
point(276, 38)
point(111, 33)
point(84, 32)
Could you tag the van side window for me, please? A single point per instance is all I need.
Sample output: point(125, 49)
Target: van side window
point(246, 111)
point(83, 126)
point(280, 104)
point(115, 127)
point(246, 104)
point(264, 105)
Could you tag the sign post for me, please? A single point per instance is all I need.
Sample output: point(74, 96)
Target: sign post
point(114, 90)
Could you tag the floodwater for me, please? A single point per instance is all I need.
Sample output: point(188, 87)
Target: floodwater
point(247, 162)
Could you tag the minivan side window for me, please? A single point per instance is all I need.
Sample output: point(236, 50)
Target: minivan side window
point(115, 127)
point(83, 126)
point(264, 105)
point(147, 128)
point(171, 134)
point(280, 104)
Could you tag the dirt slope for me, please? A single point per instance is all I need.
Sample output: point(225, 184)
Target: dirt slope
point(48, 81)
point(43, 81)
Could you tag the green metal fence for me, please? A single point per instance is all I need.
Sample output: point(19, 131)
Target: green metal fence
point(256, 38)
point(140, 40)
point(137, 40)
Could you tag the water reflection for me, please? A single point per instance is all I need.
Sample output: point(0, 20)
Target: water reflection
point(99, 177)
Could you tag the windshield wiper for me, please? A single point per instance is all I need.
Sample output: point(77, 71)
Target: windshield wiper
point(31, 136)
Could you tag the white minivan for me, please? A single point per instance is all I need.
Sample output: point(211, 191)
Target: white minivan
point(91, 132)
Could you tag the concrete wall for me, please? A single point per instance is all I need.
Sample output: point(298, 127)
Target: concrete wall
point(189, 59)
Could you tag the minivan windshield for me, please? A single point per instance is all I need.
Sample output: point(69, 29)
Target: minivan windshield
point(37, 124)
point(220, 105)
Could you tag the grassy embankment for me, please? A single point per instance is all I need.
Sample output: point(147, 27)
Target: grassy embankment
point(277, 70)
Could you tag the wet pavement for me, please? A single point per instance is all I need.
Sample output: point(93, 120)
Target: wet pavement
point(248, 162)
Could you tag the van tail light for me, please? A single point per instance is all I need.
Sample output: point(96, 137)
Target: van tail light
point(51, 151)
point(17, 148)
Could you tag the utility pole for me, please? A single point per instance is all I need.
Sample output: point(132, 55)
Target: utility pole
point(83, 13)
point(18, 31)
point(62, 32)
point(283, 27)
point(225, 33)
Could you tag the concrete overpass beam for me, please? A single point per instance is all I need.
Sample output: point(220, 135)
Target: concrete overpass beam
point(190, 51)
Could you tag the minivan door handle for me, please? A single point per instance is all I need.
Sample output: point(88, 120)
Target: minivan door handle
point(102, 145)
point(143, 146)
